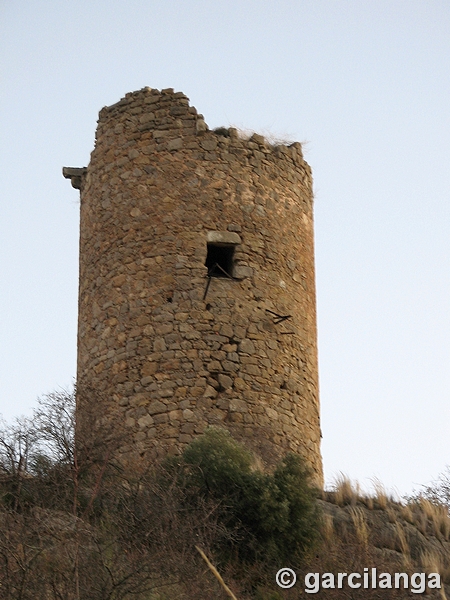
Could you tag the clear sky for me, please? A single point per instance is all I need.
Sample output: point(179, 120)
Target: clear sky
point(365, 83)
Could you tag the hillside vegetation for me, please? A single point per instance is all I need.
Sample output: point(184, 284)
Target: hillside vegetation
point(206, 524)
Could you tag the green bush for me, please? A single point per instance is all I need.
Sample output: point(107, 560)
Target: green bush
point(270, 517)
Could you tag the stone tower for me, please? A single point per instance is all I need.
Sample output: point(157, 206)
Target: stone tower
point(197, 289)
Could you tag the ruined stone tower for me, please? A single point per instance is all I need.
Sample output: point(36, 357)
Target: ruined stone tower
point(197, 289)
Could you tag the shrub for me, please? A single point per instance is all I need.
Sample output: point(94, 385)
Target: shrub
point(271, 517)
point(439, 491)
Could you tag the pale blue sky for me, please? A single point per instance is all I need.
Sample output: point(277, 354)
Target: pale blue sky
point(365, 83)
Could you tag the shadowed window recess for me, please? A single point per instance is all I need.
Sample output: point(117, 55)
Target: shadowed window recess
point(219, 260)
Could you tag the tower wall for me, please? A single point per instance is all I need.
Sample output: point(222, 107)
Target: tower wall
point(164, 350)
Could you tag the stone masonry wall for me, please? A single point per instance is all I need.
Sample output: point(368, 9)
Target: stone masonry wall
point(164, 350)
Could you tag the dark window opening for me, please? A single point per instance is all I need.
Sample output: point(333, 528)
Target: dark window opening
point(219, 260)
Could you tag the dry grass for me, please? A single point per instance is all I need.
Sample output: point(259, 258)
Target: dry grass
point(429, 517)
point(381, 495)
point(407, 513)
point(328, 531)
point(403, 545)
point(420, 519)
point(368, 501)
point(345, 492)
point(391, 514)
point(355, 533)
point(360, 524)
point(271, 138)
point(438, 517)
point(432, 562)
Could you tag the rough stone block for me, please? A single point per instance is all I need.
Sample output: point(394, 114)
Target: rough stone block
point(156, 407)
point(223, 237)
